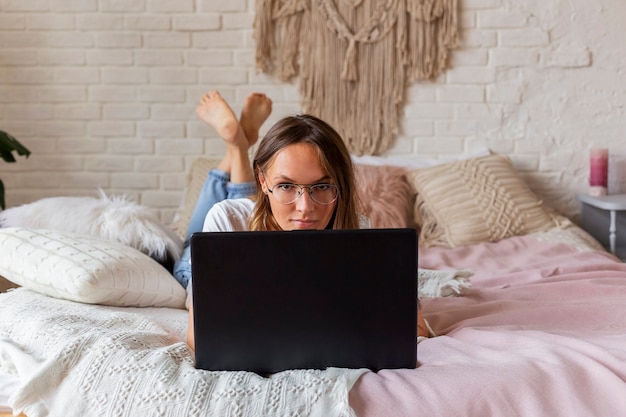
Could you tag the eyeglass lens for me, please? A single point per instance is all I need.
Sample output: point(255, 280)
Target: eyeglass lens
point(320, 193)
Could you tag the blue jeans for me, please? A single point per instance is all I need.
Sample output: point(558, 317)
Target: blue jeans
point(216, 188)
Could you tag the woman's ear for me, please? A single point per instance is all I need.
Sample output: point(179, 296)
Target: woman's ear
point(262, 181)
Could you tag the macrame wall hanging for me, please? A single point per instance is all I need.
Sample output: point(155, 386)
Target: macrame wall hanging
point(355, 58)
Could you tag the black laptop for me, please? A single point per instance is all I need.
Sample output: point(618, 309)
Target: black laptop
point(270, 301)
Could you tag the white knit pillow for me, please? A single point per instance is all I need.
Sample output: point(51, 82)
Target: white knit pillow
point(85, 269)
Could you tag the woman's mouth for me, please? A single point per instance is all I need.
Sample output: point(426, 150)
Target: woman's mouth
point(304, 223)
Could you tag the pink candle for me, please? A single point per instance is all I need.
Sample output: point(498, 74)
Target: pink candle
point(598, 171)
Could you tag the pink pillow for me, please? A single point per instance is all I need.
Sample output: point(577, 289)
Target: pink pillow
point(386, 194)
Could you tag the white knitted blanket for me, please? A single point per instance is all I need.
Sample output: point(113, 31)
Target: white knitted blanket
point(81, 360)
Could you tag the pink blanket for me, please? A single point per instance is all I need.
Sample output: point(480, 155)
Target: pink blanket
point(542, 332)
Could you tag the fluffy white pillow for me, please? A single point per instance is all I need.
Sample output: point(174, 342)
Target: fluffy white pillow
point(112, 218)
point(86, 269)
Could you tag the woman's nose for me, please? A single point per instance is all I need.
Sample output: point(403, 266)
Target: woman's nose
point(304, 202)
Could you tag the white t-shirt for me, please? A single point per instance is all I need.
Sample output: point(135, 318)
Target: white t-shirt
point(229, 216)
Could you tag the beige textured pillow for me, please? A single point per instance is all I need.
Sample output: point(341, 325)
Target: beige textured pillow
point(386, 194)
point(477, 200)
point(195, 180)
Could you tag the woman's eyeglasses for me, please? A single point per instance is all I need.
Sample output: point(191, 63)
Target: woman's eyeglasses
point(287, 193)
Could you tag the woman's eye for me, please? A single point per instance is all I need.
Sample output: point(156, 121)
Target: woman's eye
point(286, 187)
point(323, 187)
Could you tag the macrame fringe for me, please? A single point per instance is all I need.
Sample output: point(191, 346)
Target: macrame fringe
point(355, 58)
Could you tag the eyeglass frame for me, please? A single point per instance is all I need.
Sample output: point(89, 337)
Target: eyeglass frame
point(301, 188)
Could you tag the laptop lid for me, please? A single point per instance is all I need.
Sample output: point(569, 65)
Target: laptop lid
point(276, 300)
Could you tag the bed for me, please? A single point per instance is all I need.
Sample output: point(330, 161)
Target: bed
point(540, 330)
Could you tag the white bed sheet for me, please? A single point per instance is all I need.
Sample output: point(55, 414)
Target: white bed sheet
point(173, 320)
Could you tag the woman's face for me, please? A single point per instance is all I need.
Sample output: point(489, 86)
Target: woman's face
point(297, 164)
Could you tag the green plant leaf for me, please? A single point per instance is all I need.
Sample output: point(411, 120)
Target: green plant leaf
point(2, 202)
point(8, 144)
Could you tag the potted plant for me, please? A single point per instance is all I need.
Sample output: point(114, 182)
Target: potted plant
point(8, 144)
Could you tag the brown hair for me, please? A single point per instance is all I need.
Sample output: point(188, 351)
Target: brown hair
point(335, 160)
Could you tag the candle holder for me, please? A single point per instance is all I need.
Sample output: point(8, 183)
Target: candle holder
point(598, 171)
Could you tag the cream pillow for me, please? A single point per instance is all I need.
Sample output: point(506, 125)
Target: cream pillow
point(86, 269)
point(106, 217)
point(195, 180)
point(477, 200)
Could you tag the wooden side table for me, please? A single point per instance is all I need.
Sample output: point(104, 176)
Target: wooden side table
point(594, 213)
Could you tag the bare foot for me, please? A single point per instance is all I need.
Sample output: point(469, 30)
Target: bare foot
point(255, 111)
point(214, 111)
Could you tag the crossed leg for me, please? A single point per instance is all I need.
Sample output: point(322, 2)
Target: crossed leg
point(240, 135)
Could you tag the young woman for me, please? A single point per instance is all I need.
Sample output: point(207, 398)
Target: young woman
point(304, 180)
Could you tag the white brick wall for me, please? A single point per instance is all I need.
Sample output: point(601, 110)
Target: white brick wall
point(103, 92)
